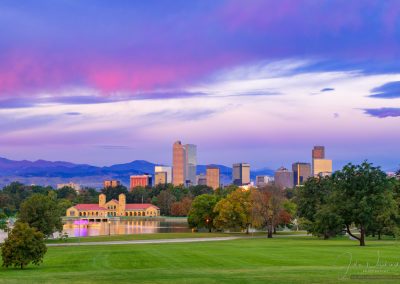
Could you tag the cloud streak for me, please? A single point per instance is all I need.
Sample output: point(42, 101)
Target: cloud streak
point(383, 112)
point(387, 91)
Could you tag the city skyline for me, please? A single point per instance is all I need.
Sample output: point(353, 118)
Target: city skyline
point(261, 82)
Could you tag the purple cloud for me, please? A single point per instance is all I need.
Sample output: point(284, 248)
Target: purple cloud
point(327, 90)
point(383, 112)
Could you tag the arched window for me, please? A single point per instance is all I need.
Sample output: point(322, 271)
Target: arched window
point(135, 214)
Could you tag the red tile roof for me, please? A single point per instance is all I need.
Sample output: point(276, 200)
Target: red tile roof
point(89, 207)
point(139, 206)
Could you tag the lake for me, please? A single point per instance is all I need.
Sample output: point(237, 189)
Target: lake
point(121, 227)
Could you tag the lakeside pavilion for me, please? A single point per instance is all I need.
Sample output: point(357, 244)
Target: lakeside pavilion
point(112, 208)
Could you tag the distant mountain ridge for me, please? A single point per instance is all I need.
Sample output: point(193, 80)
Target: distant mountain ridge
point(50, 173)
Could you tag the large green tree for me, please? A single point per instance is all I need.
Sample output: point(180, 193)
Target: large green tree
point(201, 214)
point(23, 246)
point(234, 211)
point(314, 206)
point(362, 193)
point(43, 213)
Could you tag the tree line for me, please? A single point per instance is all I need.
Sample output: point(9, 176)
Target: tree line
point(267, 208)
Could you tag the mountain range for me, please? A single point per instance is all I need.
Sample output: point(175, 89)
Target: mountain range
point(43, 172)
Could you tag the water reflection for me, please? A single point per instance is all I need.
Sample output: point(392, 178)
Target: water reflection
point(80, 229)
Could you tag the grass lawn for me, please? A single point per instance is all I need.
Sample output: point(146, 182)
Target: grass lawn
point(156, 236)
point(280, 260)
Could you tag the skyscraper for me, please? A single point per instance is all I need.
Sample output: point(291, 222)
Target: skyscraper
point(191, 164)
point(283, 178)
point(241, 174)
point(212, 175)
point(320, 165)
point(301, 172)
point(318, 152)
point(179, 164)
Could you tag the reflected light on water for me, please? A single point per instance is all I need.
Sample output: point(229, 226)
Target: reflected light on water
point(83, 228)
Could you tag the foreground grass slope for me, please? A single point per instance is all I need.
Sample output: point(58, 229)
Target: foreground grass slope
point(284, 260)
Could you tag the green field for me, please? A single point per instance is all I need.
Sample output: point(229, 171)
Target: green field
point(279, 260)
point(133, 237)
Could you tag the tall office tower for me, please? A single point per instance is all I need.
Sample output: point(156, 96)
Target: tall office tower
point(212, 175)
point(191, 164)
point(318, 152)
point(301, 172)
point(164, 169)
point(320, 165)
point(179, 164)
point(283, 178)
point(241, 174)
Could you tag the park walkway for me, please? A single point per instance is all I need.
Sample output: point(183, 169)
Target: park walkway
point(136, 242)
point(168, 241)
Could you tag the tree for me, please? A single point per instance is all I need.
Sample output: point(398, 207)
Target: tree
point(66, 192)
point(200, 189)
point(43, 213)
point(181, 208)
point(314, 206)
point(267, 207)
point(362, 193)
point(234, 211)
point(114, 192)
point(164, 201)
point(201, 214)
point(3, 221)
point(23, 246)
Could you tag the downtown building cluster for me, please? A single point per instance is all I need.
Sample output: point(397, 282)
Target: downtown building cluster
point(184, 167)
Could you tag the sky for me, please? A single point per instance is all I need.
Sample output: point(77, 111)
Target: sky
point(105, 82)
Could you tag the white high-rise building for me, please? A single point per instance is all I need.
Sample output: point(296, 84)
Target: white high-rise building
point(191, 164)
point(166, 169)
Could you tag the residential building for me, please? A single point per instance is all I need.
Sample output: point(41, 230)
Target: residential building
point(241, 174)
point(301, 172)
point(140, 180)
point(179, 164)
point(213, 176)
point(160, 178)
point(112, 208)
point(191, 164)
point(283, 178)
point(167, 170)
point(111, 183)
